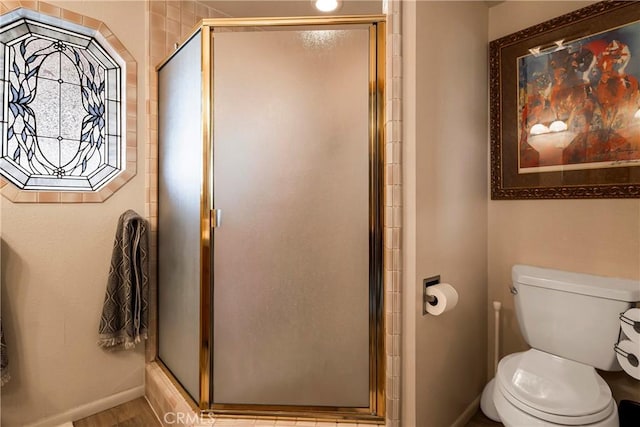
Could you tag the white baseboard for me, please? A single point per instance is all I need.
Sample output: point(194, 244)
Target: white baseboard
point(468, 413)
point(83, 411)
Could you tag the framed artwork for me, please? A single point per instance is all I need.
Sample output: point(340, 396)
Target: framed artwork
point(565, 106)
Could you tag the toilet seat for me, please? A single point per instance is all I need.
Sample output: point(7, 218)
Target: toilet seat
point(513, 416)
point(554, 389)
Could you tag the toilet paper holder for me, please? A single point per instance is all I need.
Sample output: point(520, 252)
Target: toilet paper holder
point(633, 360)
point(429, 299)
point(629, 321)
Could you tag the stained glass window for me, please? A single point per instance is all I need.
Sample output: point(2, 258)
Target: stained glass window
point(61, 118)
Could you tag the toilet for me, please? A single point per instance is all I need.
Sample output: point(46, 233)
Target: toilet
point(571, 321)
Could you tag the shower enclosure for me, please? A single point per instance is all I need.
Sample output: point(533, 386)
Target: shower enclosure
point(270, 288)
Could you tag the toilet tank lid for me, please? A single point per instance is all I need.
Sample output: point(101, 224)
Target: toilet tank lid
point(578, 283)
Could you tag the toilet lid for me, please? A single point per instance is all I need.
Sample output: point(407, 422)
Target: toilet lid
point(564, 420)
point(553, 385)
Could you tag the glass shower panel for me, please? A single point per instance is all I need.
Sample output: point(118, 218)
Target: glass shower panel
point(180, 180)
point(291, 257)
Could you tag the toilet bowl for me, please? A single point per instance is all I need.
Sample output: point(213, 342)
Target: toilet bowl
point(534, 388)
point(571, 322)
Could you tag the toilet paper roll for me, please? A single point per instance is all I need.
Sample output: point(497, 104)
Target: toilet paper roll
point(627, 362)
point(632, 315)
point(447, 298)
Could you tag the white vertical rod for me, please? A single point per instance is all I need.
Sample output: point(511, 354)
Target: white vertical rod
point(497, 305)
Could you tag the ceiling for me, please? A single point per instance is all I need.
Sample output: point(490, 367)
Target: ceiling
point(256, 8)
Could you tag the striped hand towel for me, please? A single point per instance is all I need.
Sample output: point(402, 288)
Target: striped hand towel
point(4, 359)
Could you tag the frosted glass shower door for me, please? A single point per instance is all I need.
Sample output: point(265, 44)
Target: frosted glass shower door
point(291, 318)
point(179, 186)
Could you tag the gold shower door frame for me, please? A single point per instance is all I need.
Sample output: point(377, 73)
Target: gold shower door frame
point(376, 409)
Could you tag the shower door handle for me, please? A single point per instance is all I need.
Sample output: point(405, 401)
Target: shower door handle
point(216, 218)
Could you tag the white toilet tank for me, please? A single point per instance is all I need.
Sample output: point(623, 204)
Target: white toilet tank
point(572, 315)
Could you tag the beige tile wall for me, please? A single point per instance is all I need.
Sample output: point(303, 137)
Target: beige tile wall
point(168, 22)
point(393, 211)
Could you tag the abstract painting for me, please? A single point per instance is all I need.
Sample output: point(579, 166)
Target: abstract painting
point(565, 106)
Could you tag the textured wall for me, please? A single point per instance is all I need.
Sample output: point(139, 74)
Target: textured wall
point(445, 196)
point(589, 236)
point(55, 260)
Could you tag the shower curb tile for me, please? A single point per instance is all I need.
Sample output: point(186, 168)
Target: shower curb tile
point(226, 421)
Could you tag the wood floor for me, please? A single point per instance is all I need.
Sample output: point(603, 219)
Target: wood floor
point(480, 420)
point(136, 413)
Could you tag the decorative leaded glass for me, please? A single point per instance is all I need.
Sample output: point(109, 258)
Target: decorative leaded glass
point(61, 117)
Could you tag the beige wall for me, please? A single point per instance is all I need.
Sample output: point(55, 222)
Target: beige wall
point(591, 236)
point(445, 212)
point(55, 260)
